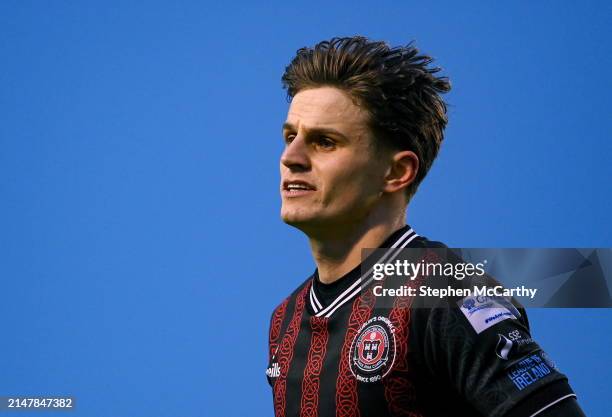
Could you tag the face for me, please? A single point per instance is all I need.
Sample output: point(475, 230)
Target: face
point(330, 175)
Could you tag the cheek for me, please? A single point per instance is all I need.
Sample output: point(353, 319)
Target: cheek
point(348, 186)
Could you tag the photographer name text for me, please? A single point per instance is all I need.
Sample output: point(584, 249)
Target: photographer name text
point(426, 291)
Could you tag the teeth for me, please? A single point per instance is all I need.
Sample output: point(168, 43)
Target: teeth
point(297, 187)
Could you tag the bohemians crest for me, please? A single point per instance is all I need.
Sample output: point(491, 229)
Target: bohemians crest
point(373, 350)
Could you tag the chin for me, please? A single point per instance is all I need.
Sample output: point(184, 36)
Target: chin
point(300, 220)
point(293, 218)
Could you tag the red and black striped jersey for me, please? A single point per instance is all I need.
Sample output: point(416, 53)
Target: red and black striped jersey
point(334, 350)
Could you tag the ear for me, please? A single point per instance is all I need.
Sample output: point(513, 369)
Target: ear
point(402, 172)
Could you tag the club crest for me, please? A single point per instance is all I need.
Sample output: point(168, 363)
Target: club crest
point(373, 350)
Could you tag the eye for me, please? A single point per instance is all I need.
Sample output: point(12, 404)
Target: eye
point(289, 138)
point(325, 143)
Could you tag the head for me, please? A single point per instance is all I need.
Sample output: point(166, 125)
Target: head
point(364, 125)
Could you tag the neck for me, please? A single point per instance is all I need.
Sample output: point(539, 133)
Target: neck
point(336, 256)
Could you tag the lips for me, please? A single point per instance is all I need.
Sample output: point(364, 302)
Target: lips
point(297, 188)
point(291, 185)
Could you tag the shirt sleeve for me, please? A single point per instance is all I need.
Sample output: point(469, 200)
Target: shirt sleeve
point(482, 347)
point(567, 407)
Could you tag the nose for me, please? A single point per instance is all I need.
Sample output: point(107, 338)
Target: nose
point(295, 156)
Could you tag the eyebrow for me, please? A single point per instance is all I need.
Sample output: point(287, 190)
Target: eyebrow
point(315, 130)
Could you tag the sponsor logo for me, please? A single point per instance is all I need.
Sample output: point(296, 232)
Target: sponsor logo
point(504, 346)
point(517, 337)
point(273, 371)
point(511, 342)
point(483, 312)
point(469, 303)
point(373, 350)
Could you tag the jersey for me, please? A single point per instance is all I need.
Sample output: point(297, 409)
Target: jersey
point(334, 351)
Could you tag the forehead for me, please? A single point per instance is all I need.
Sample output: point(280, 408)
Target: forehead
point(326, 107)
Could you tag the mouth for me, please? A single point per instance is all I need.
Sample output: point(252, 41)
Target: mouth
point(296, 188)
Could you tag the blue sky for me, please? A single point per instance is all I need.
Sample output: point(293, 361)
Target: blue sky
point(141, 250)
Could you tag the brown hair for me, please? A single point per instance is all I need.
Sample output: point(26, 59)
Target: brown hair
point(397, 87)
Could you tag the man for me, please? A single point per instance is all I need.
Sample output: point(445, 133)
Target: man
point(365, 123)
